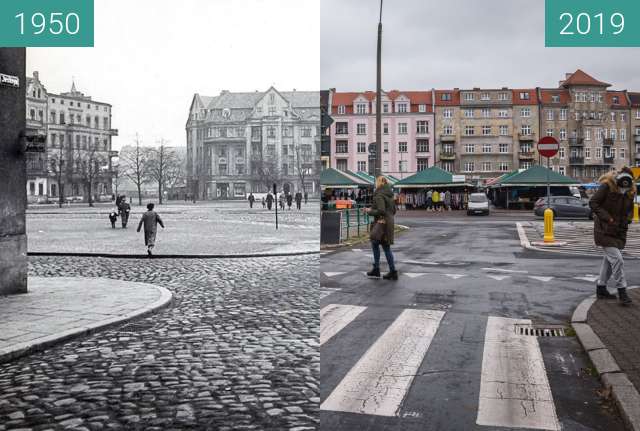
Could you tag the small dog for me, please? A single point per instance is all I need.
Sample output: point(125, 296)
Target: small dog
point(113, 216)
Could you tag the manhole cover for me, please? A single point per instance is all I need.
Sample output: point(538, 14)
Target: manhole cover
point(540, 330)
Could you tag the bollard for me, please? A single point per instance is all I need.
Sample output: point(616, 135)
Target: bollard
point(548, 226)
point(636, 210)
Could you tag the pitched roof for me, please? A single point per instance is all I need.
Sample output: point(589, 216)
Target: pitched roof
point(536, 176)
point(331, 177)
point(532, 100)
point(621, 95)
point(581, 78)
point(635, 99)
point(430, 177)
point(455, 97)
point(546, 96)
point(298, 99)
point(416, 98)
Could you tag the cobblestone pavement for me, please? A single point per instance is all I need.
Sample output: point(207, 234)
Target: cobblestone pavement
point(619, 329)
point(190, 229)
point(237, 350)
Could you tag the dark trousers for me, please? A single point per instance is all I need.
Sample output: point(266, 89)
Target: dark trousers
point(298, 204)
point(375, 245)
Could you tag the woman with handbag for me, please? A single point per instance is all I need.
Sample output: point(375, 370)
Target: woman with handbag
point(612, 207)
point(382, 210)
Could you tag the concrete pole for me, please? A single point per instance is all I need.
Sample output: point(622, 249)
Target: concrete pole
point(13, 171)
point(378, 168)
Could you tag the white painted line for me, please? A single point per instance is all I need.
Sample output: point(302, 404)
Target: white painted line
point(380, 380)
point(539, 278)
point(586, 278)
point(498, 277)
point(333, 274)
point(455, 276)
point(413, 274)
point(419, 262)
point(511, 271)
point(524, 241)
point(357, 250)
point(334, 317)
point(514, 389)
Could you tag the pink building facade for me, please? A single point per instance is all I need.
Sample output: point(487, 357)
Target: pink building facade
point(407, 131)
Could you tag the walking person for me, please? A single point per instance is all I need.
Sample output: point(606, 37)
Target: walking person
point(251, 199)
point(306, 197)
point(281, 200)
point(264, 204)
point(124, 209)
point(447, 200)
point(382, 209)
point(269, 201)
point(289, 200)
point(150, 220)
point(299, 201)
point(430, 200)
point(612, 207)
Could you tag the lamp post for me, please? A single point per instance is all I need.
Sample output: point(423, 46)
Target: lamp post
point(378, 167)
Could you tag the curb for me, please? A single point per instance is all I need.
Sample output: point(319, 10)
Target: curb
point(170, 256)
point(624, 393)
point(22, 349)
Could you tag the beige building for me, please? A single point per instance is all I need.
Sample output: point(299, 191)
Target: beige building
point(446, 106)
point(634, 123)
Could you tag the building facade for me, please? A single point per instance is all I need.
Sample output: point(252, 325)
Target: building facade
point(239, 143)
point(78, 149)
point(407, 131)
point(483, 133)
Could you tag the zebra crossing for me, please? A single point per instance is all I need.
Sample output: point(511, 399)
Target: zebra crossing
point(514, 388)
point(579, 238)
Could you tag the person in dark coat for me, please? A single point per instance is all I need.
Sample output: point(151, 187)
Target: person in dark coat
point(612, 207)
point(289, 200)
point(299, 201)
point(124, 210)
point(252, 199)
point(281, 200)
point(113, 217)
point(306, 197)
point(150, 220)
point(383, 210)
point(269, 201)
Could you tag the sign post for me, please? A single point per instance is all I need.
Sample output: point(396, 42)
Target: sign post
point(548, 147)
point(275, 197)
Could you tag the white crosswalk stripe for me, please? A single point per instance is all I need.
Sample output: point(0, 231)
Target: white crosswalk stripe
point(334, 317)
point(379, 381)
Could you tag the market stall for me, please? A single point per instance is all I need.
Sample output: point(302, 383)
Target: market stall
point(419, 190)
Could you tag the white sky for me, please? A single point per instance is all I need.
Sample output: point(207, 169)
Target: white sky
point(151, 56)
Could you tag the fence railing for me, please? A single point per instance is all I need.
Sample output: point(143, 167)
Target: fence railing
point(354, 222)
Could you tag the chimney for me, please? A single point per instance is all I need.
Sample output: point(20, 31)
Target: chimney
point(36, 75)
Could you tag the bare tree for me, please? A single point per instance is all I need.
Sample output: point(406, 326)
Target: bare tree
point(88, 165)
point(59, 167)
point(303, 159)
point(265, 169)
point(176, 173)
point(134, 165)
point(163, 165)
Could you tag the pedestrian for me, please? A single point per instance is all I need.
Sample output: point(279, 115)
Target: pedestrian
point(430, 200)
point(252, 199)
point(281, 200)
point(447, 200)
point(612, 207)
point(269, 201)
point(124, 210)
point(150, 220)
point(382, 210)
point(299, 201)
point(113, 217)
point(306, 197)
point(263, 202)
point(436, 200)
point(289, 200)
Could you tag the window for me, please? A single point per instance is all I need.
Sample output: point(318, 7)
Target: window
point(468, 96)
point(504, 167)
point(286, 131)
point(524, 96)
point(563, 114)
point(342, 128)
point(447, 166)
point(504, 148)
point(468, 113)
point(598, 153)
point(469, 131)
point(306, 132)
point(486, 166)
point(447, 130)
point(469, 167)
point(503, 96)
point(525, 112)
point(587, 153)
point(53, 117)
point(623, 117)
point(341, 164)
point(486, 148)
point(555, 98)
point(361, 129)
point(402, 128)
point(401, 107)
point(486, 130)
point(613, 117)
point(362, 166)
point(469, 148)
point(525, 130)
point(448, 113)
point(402, 165)
point(587, 134)
point(342, 109)
point(563, 134)
point(550, 115)
point(504, 130)
point(486, 113)
point(385, 147)
point(385, 128)
point(271, 132)
point(561, 153)
point(422, 127)
point(385, 108)
point(402, 147)
point(361, 108)
point(272, 111)
point(615, 100)
point(362, 147)
point(422, 146)
point(445, 97)
point(549, 132)
point(623, 134)
point(342, 147)
point(485, 96)
point(422, 108)
point(62, 120)
point(285, 150)
point(622, 153)
point(423, 164)
point(612, 153)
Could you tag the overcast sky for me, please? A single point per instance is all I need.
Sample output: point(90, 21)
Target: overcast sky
point(456, 43)
point(151, 56)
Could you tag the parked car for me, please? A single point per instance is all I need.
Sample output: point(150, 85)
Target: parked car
point(478, 204)
point(564, 206)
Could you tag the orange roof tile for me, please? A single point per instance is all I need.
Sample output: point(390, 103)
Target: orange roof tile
point(546, 96)
point(622, 98)
point(581, 78)
point(455, 98)
point(635, 99)
point(532, 100)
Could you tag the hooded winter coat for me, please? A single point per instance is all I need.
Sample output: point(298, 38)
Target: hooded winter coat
point(608, 203)
point(384, 207)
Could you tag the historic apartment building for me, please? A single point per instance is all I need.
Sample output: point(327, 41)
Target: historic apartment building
point(483, 133)
point(78, 144)
point(407, 131)
point(239, 143)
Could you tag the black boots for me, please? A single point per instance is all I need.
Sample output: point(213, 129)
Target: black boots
point(391, 275)
point(623, 297)
point(603, 293)
point(374, 273)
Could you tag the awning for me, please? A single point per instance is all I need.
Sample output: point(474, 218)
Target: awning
point(432, 177)
point(334, 179)
point(535, 176)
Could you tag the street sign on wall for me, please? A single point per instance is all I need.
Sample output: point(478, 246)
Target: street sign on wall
point(548, 146)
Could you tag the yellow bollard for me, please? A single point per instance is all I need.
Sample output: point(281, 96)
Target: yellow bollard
point(636, 216)
point(548, 226)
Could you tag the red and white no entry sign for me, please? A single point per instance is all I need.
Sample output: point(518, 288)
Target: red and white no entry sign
point(548, 146)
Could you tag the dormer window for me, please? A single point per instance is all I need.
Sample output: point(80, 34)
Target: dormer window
point(272, 98)
point(524, 96)
point(385, 108)
point(401, 107)
point(445, 97)
point(485, 96)
point(422, 108)
point(361, 108)
point(555, 98)
point(342, 109)
point(616, 100)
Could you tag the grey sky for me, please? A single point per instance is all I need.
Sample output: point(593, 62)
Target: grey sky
point(151, 56)
point(456, 43)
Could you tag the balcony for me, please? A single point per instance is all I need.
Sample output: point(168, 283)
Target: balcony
point(447, 155)
point(637, 155)
point(576, 142)
point(576, 160)
point(526, 138)
point(113, 132)
point(608, 160)
point(526, 155)
point(256, 138)
point(636, 138)
point(447, 138)
point(607, 142)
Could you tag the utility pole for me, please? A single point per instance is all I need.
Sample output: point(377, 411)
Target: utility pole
point(378, 168)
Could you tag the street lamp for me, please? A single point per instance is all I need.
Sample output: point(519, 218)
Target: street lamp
point(378, 167)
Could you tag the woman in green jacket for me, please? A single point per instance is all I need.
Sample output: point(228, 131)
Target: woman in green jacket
point(383, 210)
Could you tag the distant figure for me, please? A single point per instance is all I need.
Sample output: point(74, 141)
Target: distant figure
point(264, 204)
point(298, 200)
point(252, 199)
point(269, 201)
point(113, 217)
point(150, 220)
point(289, 200)
point(124, 210)
point(281, 201)
point(306, 197)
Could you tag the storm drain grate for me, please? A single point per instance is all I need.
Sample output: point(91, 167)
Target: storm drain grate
point(540, 331)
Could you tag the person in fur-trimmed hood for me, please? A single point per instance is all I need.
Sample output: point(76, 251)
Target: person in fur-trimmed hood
point(612, 207)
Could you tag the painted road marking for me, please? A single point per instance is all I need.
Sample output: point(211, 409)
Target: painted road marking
point(539, 278)
point(413, 274)
point(505, 270)
point(334, 317)
point(333, 274)
point(455, 276)
point(378, 383)
point(514, 389)
point(587, 278)
point(419, 262)
point(499, 277)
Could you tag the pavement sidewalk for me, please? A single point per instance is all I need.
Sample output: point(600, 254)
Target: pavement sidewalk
point(58, 308)
point(610, 333)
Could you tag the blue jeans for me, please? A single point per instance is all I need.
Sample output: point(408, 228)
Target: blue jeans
point(375, 245)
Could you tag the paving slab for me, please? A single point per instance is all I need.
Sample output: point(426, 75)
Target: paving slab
point(58, 308)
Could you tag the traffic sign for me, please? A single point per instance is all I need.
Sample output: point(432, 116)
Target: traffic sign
point(548, 146)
